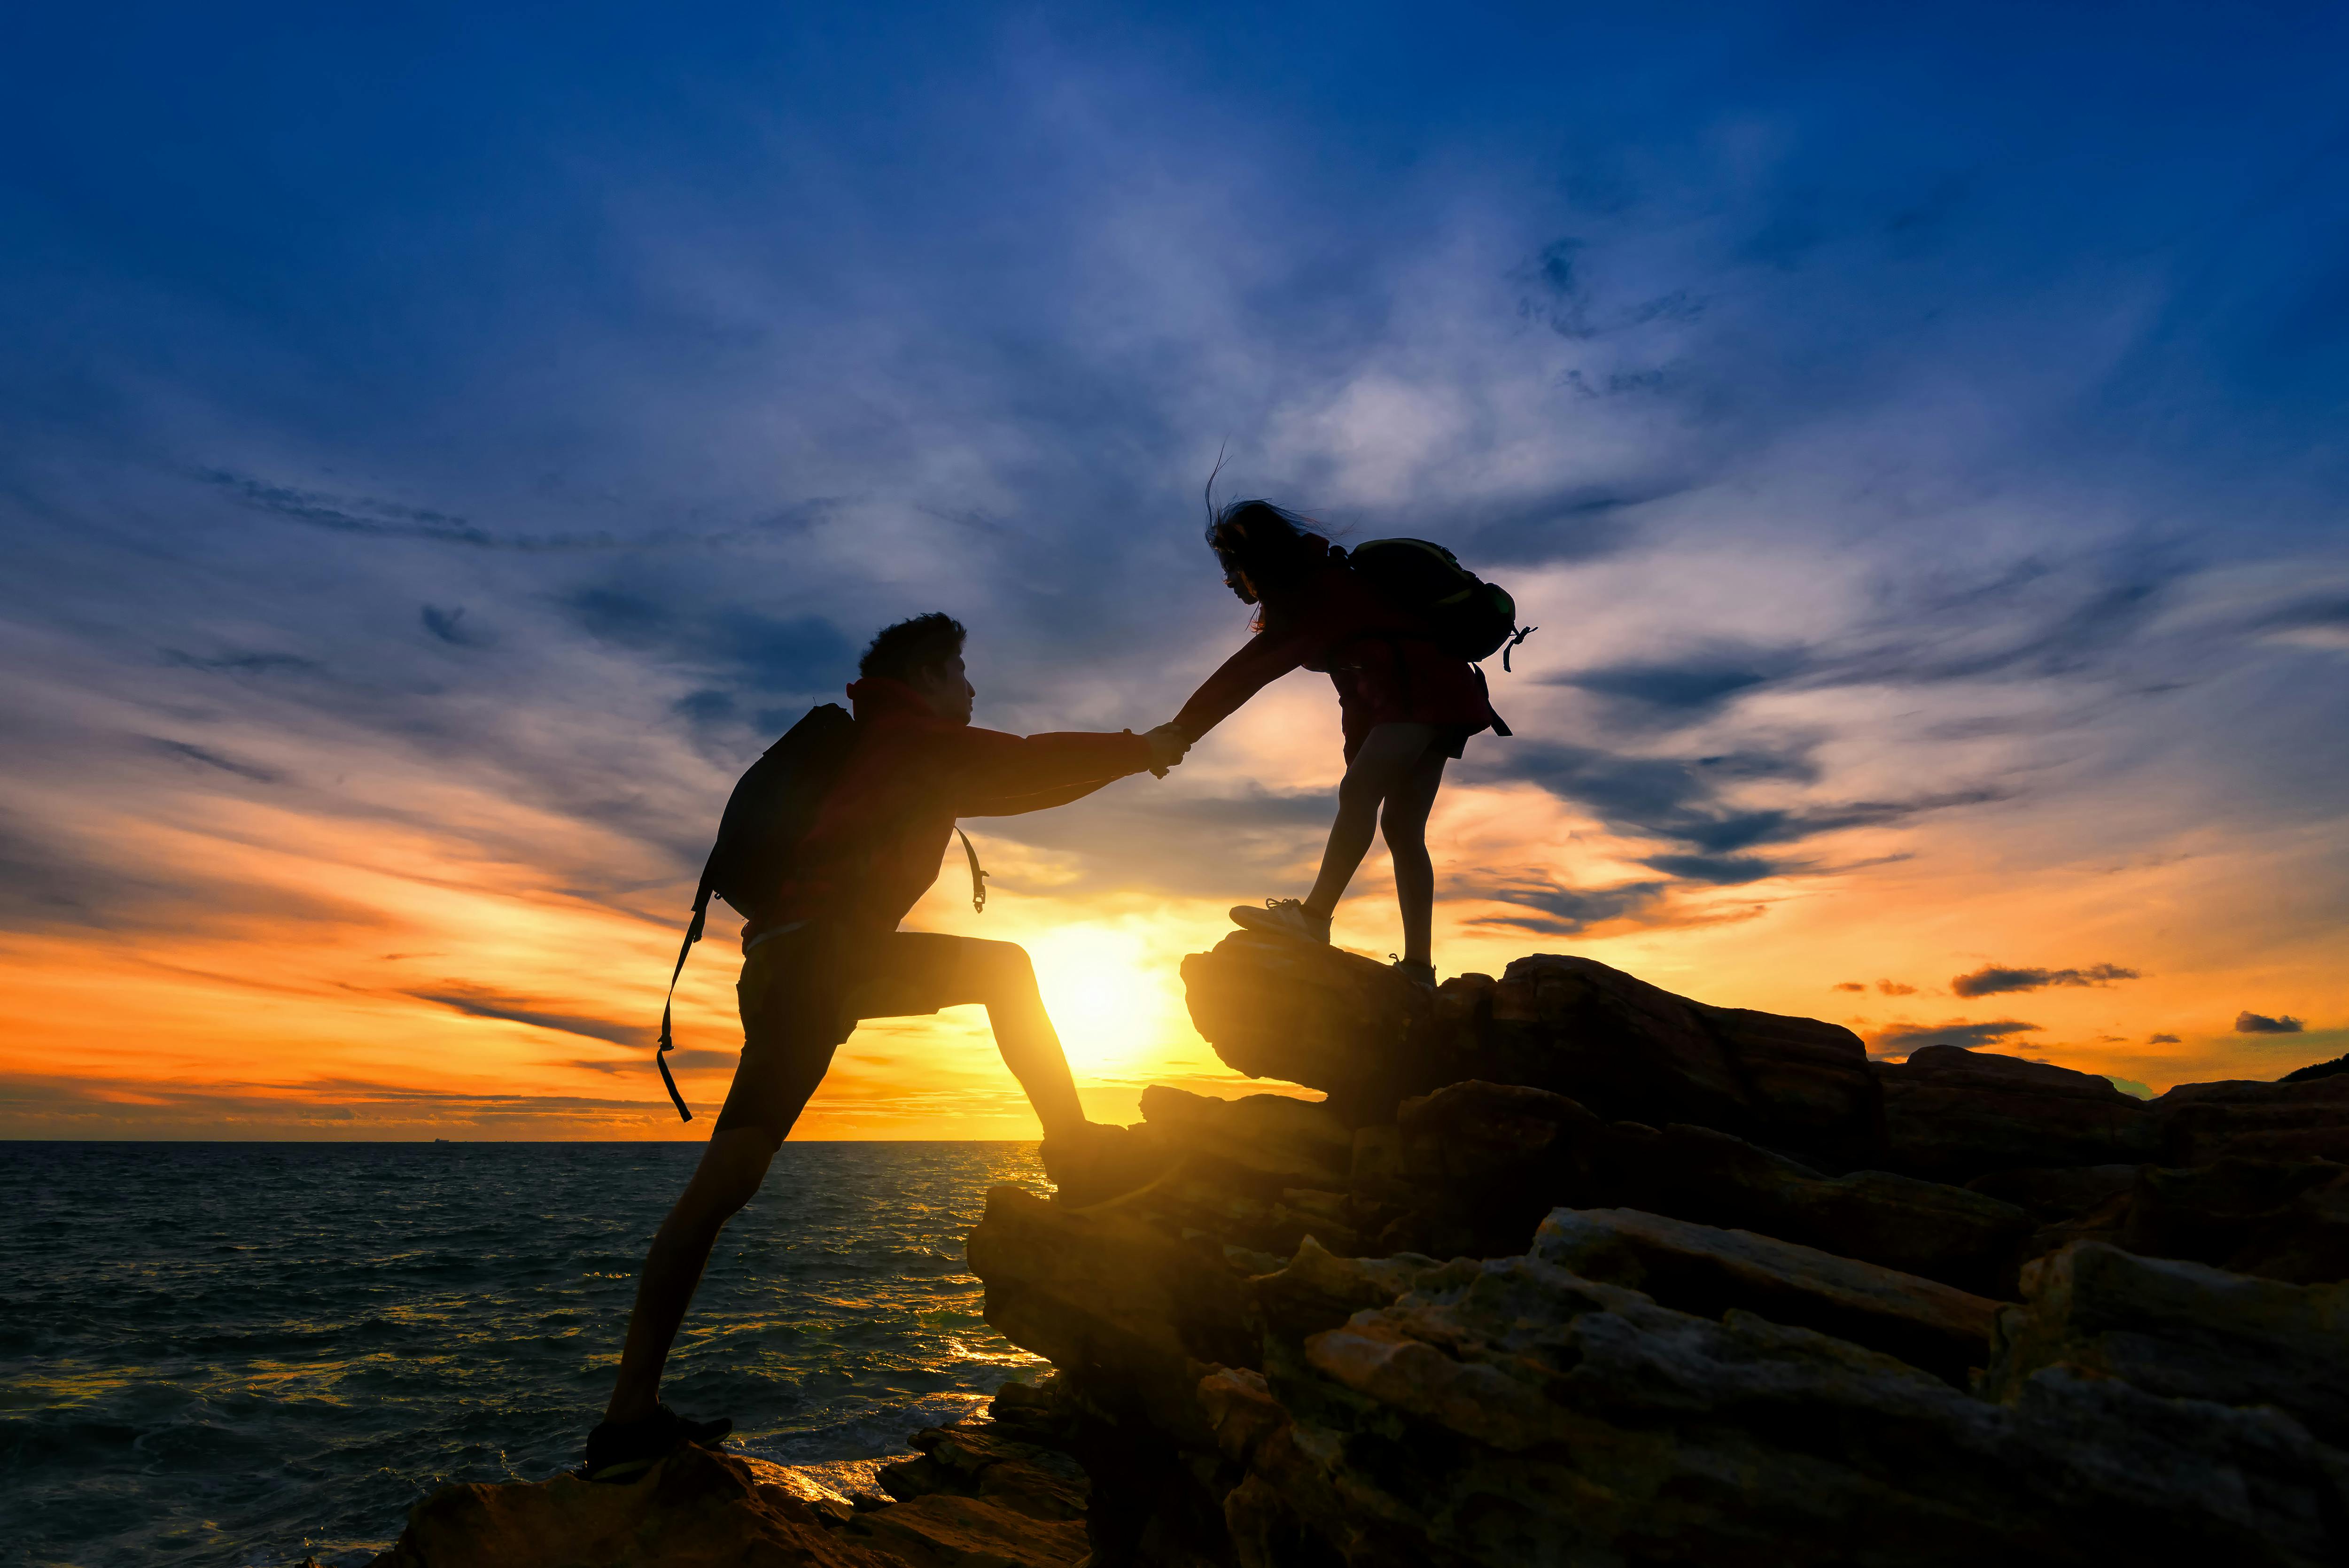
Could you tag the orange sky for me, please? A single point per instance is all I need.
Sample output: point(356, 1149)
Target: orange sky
point(314, 984)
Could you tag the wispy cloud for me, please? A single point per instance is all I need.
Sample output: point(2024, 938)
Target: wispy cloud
point(1991, 979)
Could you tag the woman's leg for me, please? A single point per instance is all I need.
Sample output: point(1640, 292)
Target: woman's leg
point(1404, 824)
point(1389, 753)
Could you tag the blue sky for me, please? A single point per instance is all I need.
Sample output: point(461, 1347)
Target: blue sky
point(1918, 433)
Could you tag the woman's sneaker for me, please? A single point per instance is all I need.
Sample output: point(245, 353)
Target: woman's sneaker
point(1420, 974)
point(621, 1452)
point(1283, 917)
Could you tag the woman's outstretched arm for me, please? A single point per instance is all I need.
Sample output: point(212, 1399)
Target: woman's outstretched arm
point(1261, 660)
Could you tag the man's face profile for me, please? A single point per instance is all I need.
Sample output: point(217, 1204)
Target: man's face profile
point(946, 687)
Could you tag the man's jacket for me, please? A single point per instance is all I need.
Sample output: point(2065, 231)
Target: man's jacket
point(876, 841)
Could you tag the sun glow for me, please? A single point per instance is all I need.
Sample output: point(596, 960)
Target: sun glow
point(1110, 997)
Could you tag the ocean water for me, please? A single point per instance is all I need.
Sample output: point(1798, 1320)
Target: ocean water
point(237, 1354)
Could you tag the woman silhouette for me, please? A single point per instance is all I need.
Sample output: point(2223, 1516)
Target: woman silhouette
point(1406, 707)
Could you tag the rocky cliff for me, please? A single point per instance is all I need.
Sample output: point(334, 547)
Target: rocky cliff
point(1563, 1268)
point(1566, 1269)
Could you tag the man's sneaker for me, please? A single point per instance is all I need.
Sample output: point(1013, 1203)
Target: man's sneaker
point(623, 1450)
point(1283, 917)
point(1422, 974)
point(1103, 1162)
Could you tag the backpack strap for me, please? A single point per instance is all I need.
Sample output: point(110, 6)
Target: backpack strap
point(1510, 646)
point(692, 935)
point(978, 877)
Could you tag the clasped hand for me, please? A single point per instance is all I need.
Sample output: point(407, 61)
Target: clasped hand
point(1167, 744)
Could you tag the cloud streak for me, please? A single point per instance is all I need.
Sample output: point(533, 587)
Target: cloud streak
point(1991, 979)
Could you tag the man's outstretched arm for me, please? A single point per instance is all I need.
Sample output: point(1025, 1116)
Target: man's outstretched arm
point(1166, 743)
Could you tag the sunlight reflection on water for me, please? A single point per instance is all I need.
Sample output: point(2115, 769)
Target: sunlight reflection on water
point(216, 1353)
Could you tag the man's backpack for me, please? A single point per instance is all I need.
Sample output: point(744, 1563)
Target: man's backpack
point(773, 805)
point(1468, 617)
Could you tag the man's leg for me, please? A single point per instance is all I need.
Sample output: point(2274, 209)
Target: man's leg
point(731, 1168)
point(1403, 823)
point(1387, 755)
point(789, 1028)
point(916, 972)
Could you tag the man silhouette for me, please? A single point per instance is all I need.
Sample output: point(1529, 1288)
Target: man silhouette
point(825, 952)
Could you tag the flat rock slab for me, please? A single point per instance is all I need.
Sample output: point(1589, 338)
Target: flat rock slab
point(694, 1510)
point(1704, 1270)
point(1511, 1412)
point(948, 1531)
point(2182, 1330)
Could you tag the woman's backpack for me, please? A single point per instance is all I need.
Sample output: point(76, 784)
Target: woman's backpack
point(1468, 617)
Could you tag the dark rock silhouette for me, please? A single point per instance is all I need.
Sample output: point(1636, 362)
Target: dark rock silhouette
point(1607, 1274)
point(1564, 1268)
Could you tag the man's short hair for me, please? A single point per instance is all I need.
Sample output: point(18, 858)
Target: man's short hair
point(905, 650)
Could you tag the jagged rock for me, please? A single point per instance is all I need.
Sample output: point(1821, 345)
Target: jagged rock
point(1243, 1384)
point(1510, 1412)
point(2182, 1330)
point(2203, 1122)
point(973, 1462)
point(1631, 1051)
point(1470, 1170)
point(1711, 1271)
point(2054, 1194)
point(695, 1508)
point(2280, 1220)
point(1132, 1314)
point(1273, 1008)
point(1962, 1238)
point(1318, 1290)
point(1952, 1115)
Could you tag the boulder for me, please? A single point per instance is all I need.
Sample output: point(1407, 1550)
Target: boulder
point(2051, 1194)
point(1953, 1115)
point(2182, 1331)
point(1470, 1169)
point(1509, 1411)
point(2203, 1122)
point(1962, 1238)
point(973, 1462)
point(1711, 1271)
point(692, 1510)
point(2286, 1219)
point(1131, 1313)
point(1260, 1143)
point(1276, 1007)
point(1318, 1290)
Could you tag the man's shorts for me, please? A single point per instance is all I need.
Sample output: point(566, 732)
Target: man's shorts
point(802, 993)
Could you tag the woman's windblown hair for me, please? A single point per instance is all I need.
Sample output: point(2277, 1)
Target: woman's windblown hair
point(1272, 546)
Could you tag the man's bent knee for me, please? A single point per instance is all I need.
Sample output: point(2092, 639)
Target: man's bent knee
point(732, 1166)
point(999, 962)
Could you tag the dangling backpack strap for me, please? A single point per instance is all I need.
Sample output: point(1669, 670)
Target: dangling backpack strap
point(978, 877)
point(1519, 636)
point(692, 935)
point(1500, 726)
